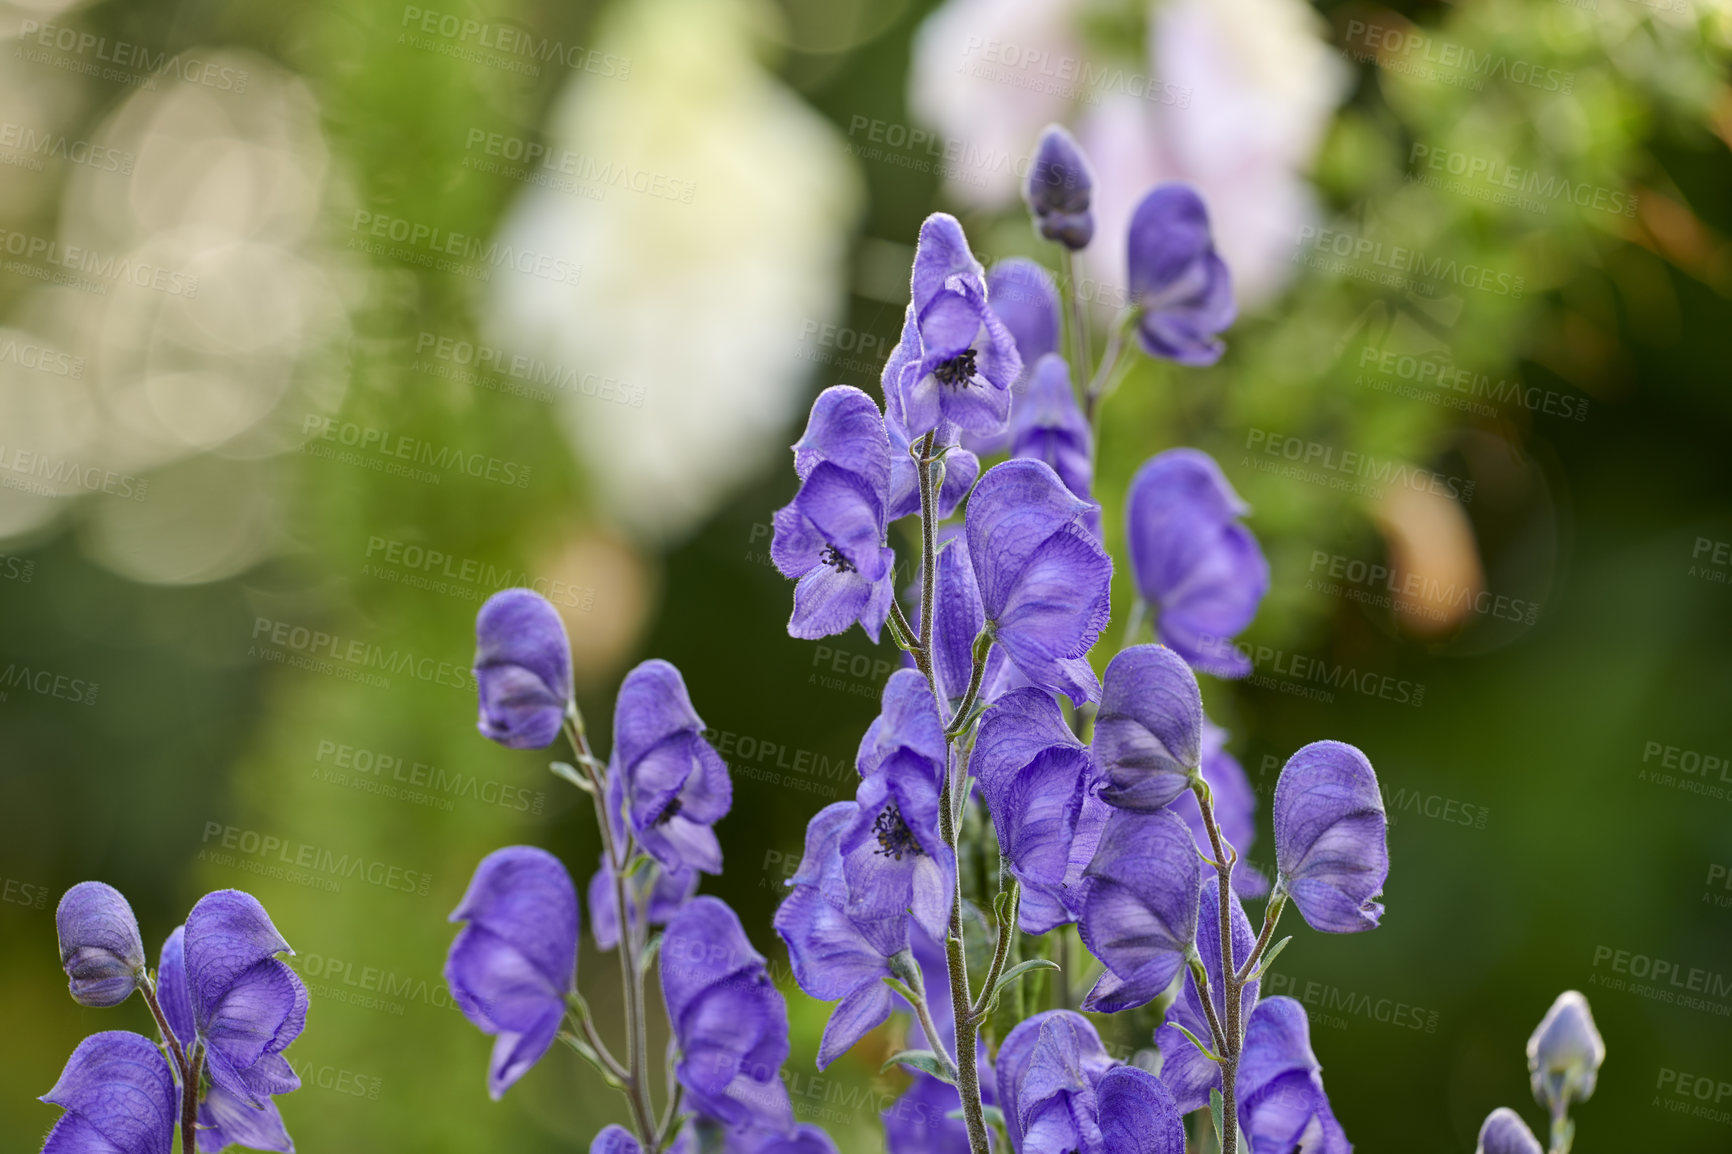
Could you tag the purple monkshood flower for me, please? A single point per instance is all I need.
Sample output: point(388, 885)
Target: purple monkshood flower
point(1060, 185)
point(961, 466)
point(1282, 1106)
point(1043, 578)
point(730, 1026)
point(704, 1135)
point(1036, 777)
point(119, 1096)
point(615, 1139)
point(1200, 571)
point(1185, 1069)
point(1140, 907)
point(927, 1118)
point(673, 784)
point(224, 1119)
point(1061, 1093)
point(963, 360)
point(1331, 837)
point(830, 538)
point(1148, 733)
point(838, 956)
point(1025, 299)
point(1504, 1132)
point(1181, 290)
point(522, 669)
point(514, 963)
point(668, 890)
point(247, 1005)
point(1235, 810)
point(1047, 426)
point(100, 947)
point(957, 617)
point(893, 856)
point(1565, 1052)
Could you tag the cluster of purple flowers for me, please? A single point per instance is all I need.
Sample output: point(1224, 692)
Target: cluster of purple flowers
point(513, 967)
point(1110, 801)
point(226, 1007)
point(1107, 795)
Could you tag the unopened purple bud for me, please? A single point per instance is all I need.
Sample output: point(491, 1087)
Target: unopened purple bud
point(1332, 837)
point(1060, 186)
point(100, 947)
point(1179, 284)
point(1565, 1053)
point(522, 669)
point(1504, 1132)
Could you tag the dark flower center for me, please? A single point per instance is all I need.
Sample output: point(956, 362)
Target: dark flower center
point(833, 558)
point(894, 837)
point(958, 372)
point(671, 811)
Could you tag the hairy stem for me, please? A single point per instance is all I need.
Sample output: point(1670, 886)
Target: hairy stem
point(961, 1002)
point(1097, 387)
point(636, 1076)
point(1230, 979)
point(1081, 353)
point(1271, 915)
point(1000, 952)
point(189, 1101)
point(148, 989)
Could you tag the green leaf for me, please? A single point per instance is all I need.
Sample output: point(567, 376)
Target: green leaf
point(1269, 958)
point(924, 1061)
point(569, 772)
point(650, 950)
point(1195, 1041)
point(901, 987)
point(1019, 970)
point(590, 1056)
point(1215, 1116)
point(638, 864)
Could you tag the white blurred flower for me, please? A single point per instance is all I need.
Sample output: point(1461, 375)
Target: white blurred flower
point(989, 75)
point(693, 288)
point(1255, 87)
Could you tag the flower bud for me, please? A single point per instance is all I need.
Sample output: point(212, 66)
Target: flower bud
point(1060, 186)
point(522, 669)
point(1565, 1053)
point(1504, 1132)
point(100, 947)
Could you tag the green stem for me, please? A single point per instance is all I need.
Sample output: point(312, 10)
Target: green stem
point(1000, 952)
point(1097, 387)
point(1082, 354)
point(189, 1102)
point(636, 1078)
point(148, 988)
point(1229, 970)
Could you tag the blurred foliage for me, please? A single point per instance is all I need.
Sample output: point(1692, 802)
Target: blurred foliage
point(1541, 728)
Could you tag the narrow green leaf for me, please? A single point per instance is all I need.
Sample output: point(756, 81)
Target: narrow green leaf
point(1195, 1041)
point(590, 1056)
point(569, 772)
point(993, 1115)
point(638, 864)
point(1269, 958)
point(1215, 1115)
point(924, 1061)
point(650, 950)
point(901, 987)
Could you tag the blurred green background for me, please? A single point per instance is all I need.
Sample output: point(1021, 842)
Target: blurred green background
point(256, 486)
